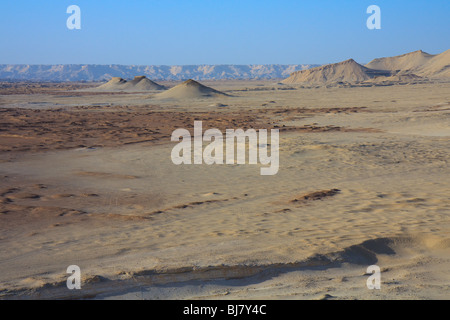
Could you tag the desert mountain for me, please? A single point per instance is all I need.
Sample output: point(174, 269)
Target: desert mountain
point(418, 63)
point(407, 63)
point(436, 67)
point(139, 83)
point(345, 71)
point(189, 89)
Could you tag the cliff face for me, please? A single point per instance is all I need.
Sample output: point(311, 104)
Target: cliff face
point(76, 72)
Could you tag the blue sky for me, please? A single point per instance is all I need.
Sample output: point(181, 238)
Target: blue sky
point(176, 32)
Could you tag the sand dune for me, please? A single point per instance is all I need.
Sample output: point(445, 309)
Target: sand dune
point(346, 71)
point(139, 83)
point(189, 89)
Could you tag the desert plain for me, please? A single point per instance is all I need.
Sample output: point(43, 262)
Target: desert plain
point(86, 178)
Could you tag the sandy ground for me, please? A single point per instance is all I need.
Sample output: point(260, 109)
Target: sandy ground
point(364, 179)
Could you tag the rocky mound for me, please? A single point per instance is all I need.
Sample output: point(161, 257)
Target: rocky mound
point(138, 84)
point(189, 89)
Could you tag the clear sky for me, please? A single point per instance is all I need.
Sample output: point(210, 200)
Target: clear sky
point(181, 32)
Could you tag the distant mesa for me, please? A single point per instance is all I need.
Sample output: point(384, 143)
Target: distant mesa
point(345, 71)
point(98, 72)
point(138, 84)
point(189, 89)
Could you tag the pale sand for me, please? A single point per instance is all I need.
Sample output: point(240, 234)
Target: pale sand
point(140, 227)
